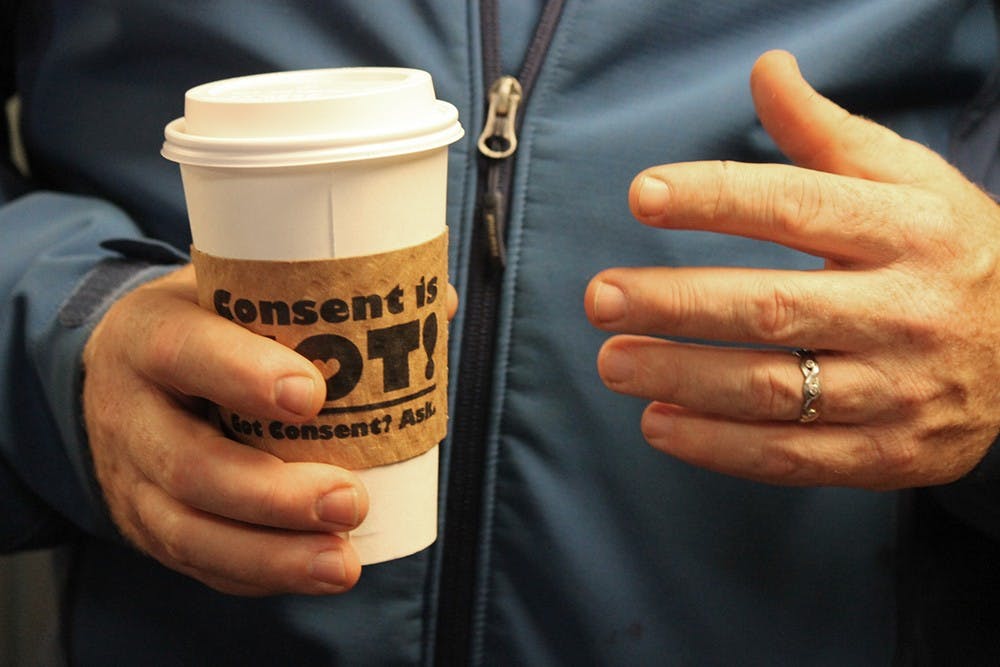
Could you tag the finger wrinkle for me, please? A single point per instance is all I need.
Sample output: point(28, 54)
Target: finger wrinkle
point(719, 201)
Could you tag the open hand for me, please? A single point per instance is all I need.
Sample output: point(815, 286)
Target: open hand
point(904, 319)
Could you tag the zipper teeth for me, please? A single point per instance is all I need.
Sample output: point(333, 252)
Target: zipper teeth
point(489, 23)
point(464, 501)
point(539, 45)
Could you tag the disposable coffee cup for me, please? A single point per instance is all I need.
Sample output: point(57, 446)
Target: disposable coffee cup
point(317, 207)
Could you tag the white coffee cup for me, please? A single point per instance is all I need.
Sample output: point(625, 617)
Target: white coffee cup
point(325, 164)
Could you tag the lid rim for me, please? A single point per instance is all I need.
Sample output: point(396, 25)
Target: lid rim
point(305, 155)
point(446, 115)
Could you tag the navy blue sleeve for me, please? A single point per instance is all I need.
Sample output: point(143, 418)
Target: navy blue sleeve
point(27, 523)
point(57, 277)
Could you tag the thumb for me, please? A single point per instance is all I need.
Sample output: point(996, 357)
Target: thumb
point(818, 134)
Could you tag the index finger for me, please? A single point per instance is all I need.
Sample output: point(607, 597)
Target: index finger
point(826, 215)
point(176, 343)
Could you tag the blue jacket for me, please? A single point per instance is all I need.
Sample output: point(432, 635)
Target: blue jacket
point(587, 546)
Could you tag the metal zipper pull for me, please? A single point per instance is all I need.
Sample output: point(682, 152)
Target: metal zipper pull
point(497, 143)
point(494, 210)
point(499, 137)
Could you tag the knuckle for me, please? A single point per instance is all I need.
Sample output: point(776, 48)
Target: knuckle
point(933, 220)
point(786, 465)
point(775, 398)
point(274, 505)
point(895, 458)
point(920, 329)
point(910, 400)
point(102, 418)
point(162, 348)
point(795, 201)
point(771, 314)
point(174, 540)
point(125, 516)
point(982, 265)
point(178, 474)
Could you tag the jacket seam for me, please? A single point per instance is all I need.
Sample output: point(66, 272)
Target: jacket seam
point(458, 265)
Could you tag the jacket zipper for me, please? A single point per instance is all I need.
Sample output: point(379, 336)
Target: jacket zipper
point(466, 465)
point(497, 144)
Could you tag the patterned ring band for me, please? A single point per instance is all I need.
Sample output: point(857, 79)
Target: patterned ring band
point(810, 385)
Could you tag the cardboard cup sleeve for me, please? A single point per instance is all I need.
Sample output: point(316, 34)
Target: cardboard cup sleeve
point(376, 328)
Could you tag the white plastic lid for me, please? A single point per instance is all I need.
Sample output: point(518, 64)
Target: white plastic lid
point(310, 117)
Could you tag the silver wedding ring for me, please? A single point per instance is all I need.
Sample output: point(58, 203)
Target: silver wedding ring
point(810, 385)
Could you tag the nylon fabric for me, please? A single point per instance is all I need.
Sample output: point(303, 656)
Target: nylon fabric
point(597, 549)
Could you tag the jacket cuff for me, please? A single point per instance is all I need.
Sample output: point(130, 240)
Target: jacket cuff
point(55, 287)
point(109, 280)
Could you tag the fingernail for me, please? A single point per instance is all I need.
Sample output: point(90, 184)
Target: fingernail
point(328, 567)
point(610, 303)
point(652, 197)
point(295, 394)
point(656, 426)
point(617, 366)
point(339, 507)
